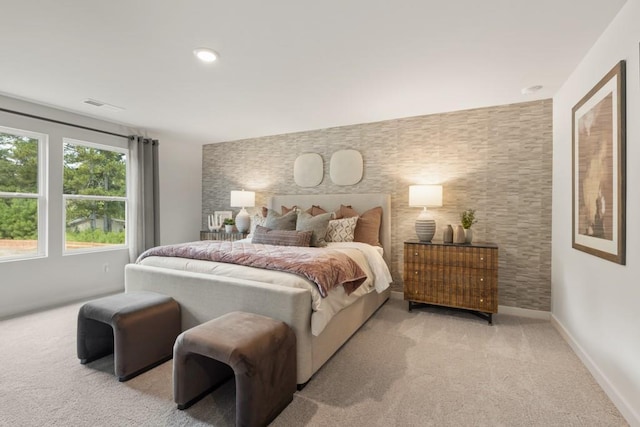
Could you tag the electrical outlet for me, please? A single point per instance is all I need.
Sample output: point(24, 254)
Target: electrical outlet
point(105, 267)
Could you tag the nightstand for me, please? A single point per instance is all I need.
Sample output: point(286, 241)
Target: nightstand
point(222, 235)
point(461, 276)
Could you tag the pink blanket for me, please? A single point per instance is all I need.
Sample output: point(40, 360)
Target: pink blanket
point(326, 268)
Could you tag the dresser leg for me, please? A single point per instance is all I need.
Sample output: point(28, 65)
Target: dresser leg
point(409, 306)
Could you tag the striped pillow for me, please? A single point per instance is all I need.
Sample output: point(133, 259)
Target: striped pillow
point(268, 236)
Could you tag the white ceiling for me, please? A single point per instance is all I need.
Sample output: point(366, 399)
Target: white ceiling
point(289, 65)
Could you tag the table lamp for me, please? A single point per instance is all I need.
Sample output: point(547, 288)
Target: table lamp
point(425, 196)
point(243, 199)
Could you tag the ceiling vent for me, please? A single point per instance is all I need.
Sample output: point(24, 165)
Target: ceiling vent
point(102, 105)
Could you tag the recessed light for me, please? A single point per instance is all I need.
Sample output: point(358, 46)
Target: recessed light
point(205, 54)
point(531, 89)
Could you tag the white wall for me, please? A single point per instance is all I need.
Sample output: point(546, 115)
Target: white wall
point(37, 283)
point(596, 303)
point(180, 190)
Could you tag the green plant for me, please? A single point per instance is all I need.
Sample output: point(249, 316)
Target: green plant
point(468, 218)
point(229, 221)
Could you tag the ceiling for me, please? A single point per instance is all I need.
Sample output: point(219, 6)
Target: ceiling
point(289, 65)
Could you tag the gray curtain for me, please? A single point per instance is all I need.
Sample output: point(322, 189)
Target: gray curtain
point(144, 207)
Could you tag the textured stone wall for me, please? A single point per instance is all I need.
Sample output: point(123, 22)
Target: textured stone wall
point(496, 160)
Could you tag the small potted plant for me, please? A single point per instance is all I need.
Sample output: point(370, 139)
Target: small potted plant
point(468, 218)
point(228, 225)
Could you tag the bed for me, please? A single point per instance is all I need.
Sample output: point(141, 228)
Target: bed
point(206, 293)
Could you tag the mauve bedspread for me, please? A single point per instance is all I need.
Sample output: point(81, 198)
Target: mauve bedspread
point(325, 267)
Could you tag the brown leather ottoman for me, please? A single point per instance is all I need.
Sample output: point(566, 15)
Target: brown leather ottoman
point(140, 328)
point(259, 350)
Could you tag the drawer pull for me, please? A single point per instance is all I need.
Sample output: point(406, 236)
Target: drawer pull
point(416, 254)
point(481, 258)
point(482, 279)
point(416, 272)
point(481, 299)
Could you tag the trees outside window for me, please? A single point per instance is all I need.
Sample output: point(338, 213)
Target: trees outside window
point(95, 196)
point(22, 198)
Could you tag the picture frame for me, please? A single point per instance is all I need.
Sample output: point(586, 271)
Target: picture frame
point(599, 169)
point(216, 220)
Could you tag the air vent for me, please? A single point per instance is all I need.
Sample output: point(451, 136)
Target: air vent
point(102, 105)
point(93, 102)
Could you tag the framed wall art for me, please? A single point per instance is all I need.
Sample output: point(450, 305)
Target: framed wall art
point(599, 174)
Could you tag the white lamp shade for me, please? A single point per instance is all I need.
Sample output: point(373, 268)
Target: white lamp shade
point(425, 195)
point(243, 199)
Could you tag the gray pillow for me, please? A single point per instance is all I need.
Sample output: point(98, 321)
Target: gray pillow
point(281, 237)
point(275, 221)
point(318, 224)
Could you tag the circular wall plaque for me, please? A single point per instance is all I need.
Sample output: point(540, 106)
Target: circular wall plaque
point(346, 167)
point(308, 170)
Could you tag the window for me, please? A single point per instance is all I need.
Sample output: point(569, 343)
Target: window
point(22, 195)
point(95, 196)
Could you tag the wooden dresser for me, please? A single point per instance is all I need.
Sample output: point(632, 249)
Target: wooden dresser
point(462, 276)
point(221, 235)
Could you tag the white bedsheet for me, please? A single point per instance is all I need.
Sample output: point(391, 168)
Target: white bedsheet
point(367, 257)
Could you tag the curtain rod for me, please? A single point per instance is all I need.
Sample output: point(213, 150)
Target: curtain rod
point(32, 116)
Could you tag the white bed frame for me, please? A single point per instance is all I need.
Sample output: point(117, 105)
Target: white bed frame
point(203, 297)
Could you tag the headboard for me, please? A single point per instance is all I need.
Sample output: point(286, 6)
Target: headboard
point(332, 202)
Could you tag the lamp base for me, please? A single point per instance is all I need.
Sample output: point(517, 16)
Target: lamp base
point(425, 229)
point(243, 221)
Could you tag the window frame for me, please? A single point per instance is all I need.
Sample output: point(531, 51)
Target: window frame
point(41, 196)
point(125, 199)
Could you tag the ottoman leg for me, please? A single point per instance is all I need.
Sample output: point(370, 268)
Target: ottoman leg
point(264, 390)
point(94, 339)
point(144, 339)
point(194, 375)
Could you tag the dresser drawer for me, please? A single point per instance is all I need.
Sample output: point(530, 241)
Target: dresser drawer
point(458, 256)
point(463, 276)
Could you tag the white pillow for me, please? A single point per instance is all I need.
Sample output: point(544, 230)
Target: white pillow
point(341, 230)
point(256, 220)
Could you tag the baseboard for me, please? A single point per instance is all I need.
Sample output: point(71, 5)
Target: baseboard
point(524, 312)
point(632, 417)
point(397, 295)
point(60, 301)
point(502, 309)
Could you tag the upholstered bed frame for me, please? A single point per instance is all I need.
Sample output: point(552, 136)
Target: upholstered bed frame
point(203, 297)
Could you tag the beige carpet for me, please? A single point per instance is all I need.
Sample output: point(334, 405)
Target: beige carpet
point(431, 367)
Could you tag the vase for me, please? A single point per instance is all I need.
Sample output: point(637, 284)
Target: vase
point(458, 235)
point(228, 228)
point(447, 234)
point(468, 235)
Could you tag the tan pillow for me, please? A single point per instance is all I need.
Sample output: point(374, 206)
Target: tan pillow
point(285, 210)
point(368, 225)
point(281, 237)
point(315, 210)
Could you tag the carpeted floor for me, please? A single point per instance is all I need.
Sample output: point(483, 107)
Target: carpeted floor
point(431, 367)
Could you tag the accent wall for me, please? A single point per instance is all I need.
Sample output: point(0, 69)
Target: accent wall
point(495, 160)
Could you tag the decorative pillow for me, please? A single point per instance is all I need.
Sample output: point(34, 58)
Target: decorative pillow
point(317, 224)
point(268, 236)
point(368, 226)
point(275, 221)
point(257, 219)
point(285, 210)
point(315, 210)
point(341, 230)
